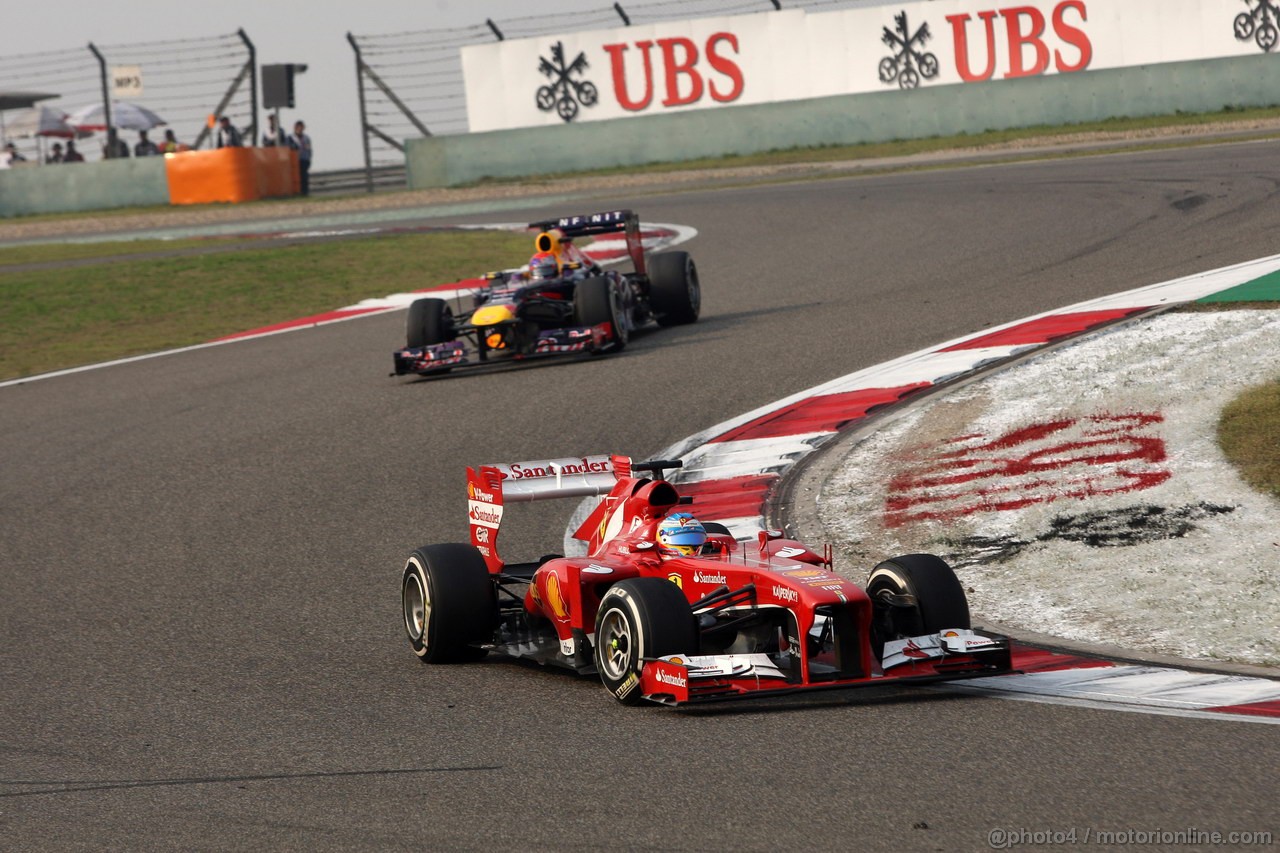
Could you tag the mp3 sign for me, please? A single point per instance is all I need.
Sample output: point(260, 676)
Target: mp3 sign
point(792, 55)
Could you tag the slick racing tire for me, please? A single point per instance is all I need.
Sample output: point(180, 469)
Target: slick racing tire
point(640, 619)
point(449, 603)
point(595, 301)
point(939, 598)
point(430, 322)
point(674, 290)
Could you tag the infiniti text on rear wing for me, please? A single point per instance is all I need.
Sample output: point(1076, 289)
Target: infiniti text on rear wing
point(605, 222)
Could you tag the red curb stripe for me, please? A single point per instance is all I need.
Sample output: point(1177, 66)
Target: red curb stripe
point(313, 320)
point(455, 285)
point(1044, 330)
point(827, 413)
point(735, 497)
point(1032, 659)
point(1253, 709)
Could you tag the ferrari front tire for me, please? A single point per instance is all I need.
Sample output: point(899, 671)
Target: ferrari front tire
point(674, 289)
point(640, 619)
point(449, 603)
point(939, 597)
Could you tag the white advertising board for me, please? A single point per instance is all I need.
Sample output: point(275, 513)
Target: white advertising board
point(708, 63)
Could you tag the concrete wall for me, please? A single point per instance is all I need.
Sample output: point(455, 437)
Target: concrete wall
point(1203, 86)
point(83, 186)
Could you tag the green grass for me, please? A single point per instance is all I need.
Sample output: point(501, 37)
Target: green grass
point(37, 253)
point(1249, 434)
point(52, 319)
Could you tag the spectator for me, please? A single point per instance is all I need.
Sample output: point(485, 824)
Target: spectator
point(55, 156)
point(301, 143)
point(228, 136)
point(72, 155)
point(145, 147)
point(11, 155)
point(115, 147)
point(274, 134)
point(171, 145)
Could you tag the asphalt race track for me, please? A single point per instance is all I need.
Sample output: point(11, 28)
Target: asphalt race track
point(199, 593)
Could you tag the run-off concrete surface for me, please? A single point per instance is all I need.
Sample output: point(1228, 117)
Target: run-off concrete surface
point(1082, 493)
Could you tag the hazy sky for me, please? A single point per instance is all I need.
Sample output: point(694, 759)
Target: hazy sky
point(282, 31)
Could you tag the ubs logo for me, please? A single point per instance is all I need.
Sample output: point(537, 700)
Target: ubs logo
point(563, 94)
point(1259, 24)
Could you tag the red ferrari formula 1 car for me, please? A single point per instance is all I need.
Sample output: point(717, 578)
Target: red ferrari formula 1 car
point(561, 302)
point(669, 609)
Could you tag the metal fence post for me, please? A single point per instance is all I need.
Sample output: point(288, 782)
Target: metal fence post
point(364, 118)
point(253, 87)
point(106, 101)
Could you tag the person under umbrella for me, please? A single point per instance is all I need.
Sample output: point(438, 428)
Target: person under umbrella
point(145, 147)
point(124, 116)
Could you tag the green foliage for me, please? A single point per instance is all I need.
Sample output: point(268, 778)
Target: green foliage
point(1249, 434)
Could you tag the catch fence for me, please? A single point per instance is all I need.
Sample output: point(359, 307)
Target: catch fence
point(183, 81)
point(411, 85)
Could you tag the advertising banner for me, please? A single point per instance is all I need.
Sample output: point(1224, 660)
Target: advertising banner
point(709, 63)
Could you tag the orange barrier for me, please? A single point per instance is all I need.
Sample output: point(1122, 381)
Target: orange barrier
point(231, 174)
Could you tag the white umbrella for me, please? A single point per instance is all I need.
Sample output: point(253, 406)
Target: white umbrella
point(39, 121)
point(124, 115)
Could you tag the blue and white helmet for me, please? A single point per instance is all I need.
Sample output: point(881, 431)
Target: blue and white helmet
point(681, 535)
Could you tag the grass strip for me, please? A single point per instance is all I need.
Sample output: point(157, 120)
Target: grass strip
point(37, 253)
point(54, 319)
point(1249, 434)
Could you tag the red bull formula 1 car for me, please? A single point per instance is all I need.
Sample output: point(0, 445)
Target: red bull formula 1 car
point(668, 609)
point(561, 302)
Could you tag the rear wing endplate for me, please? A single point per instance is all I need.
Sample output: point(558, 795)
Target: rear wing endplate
point(491, 487)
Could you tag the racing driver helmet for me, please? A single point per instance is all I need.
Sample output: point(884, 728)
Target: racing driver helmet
point(544, 266)
point(681, 535)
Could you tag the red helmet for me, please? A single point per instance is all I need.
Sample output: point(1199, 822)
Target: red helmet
point(544, 266)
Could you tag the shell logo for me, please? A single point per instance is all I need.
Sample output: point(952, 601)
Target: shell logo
point(805, 573)
point(471, 490)
point(555, 598)
point(675, 578)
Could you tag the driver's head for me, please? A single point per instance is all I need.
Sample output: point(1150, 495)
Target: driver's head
point(544, 266)
point(681, 535)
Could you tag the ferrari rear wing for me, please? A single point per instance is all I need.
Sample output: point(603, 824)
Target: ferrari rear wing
point(491, 487)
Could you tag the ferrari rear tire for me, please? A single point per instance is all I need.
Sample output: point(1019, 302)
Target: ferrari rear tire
point(640, 619)
point(595, 301)
point(449, 603)
point(940, 601)
point(430, 322)
point(674, 289)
